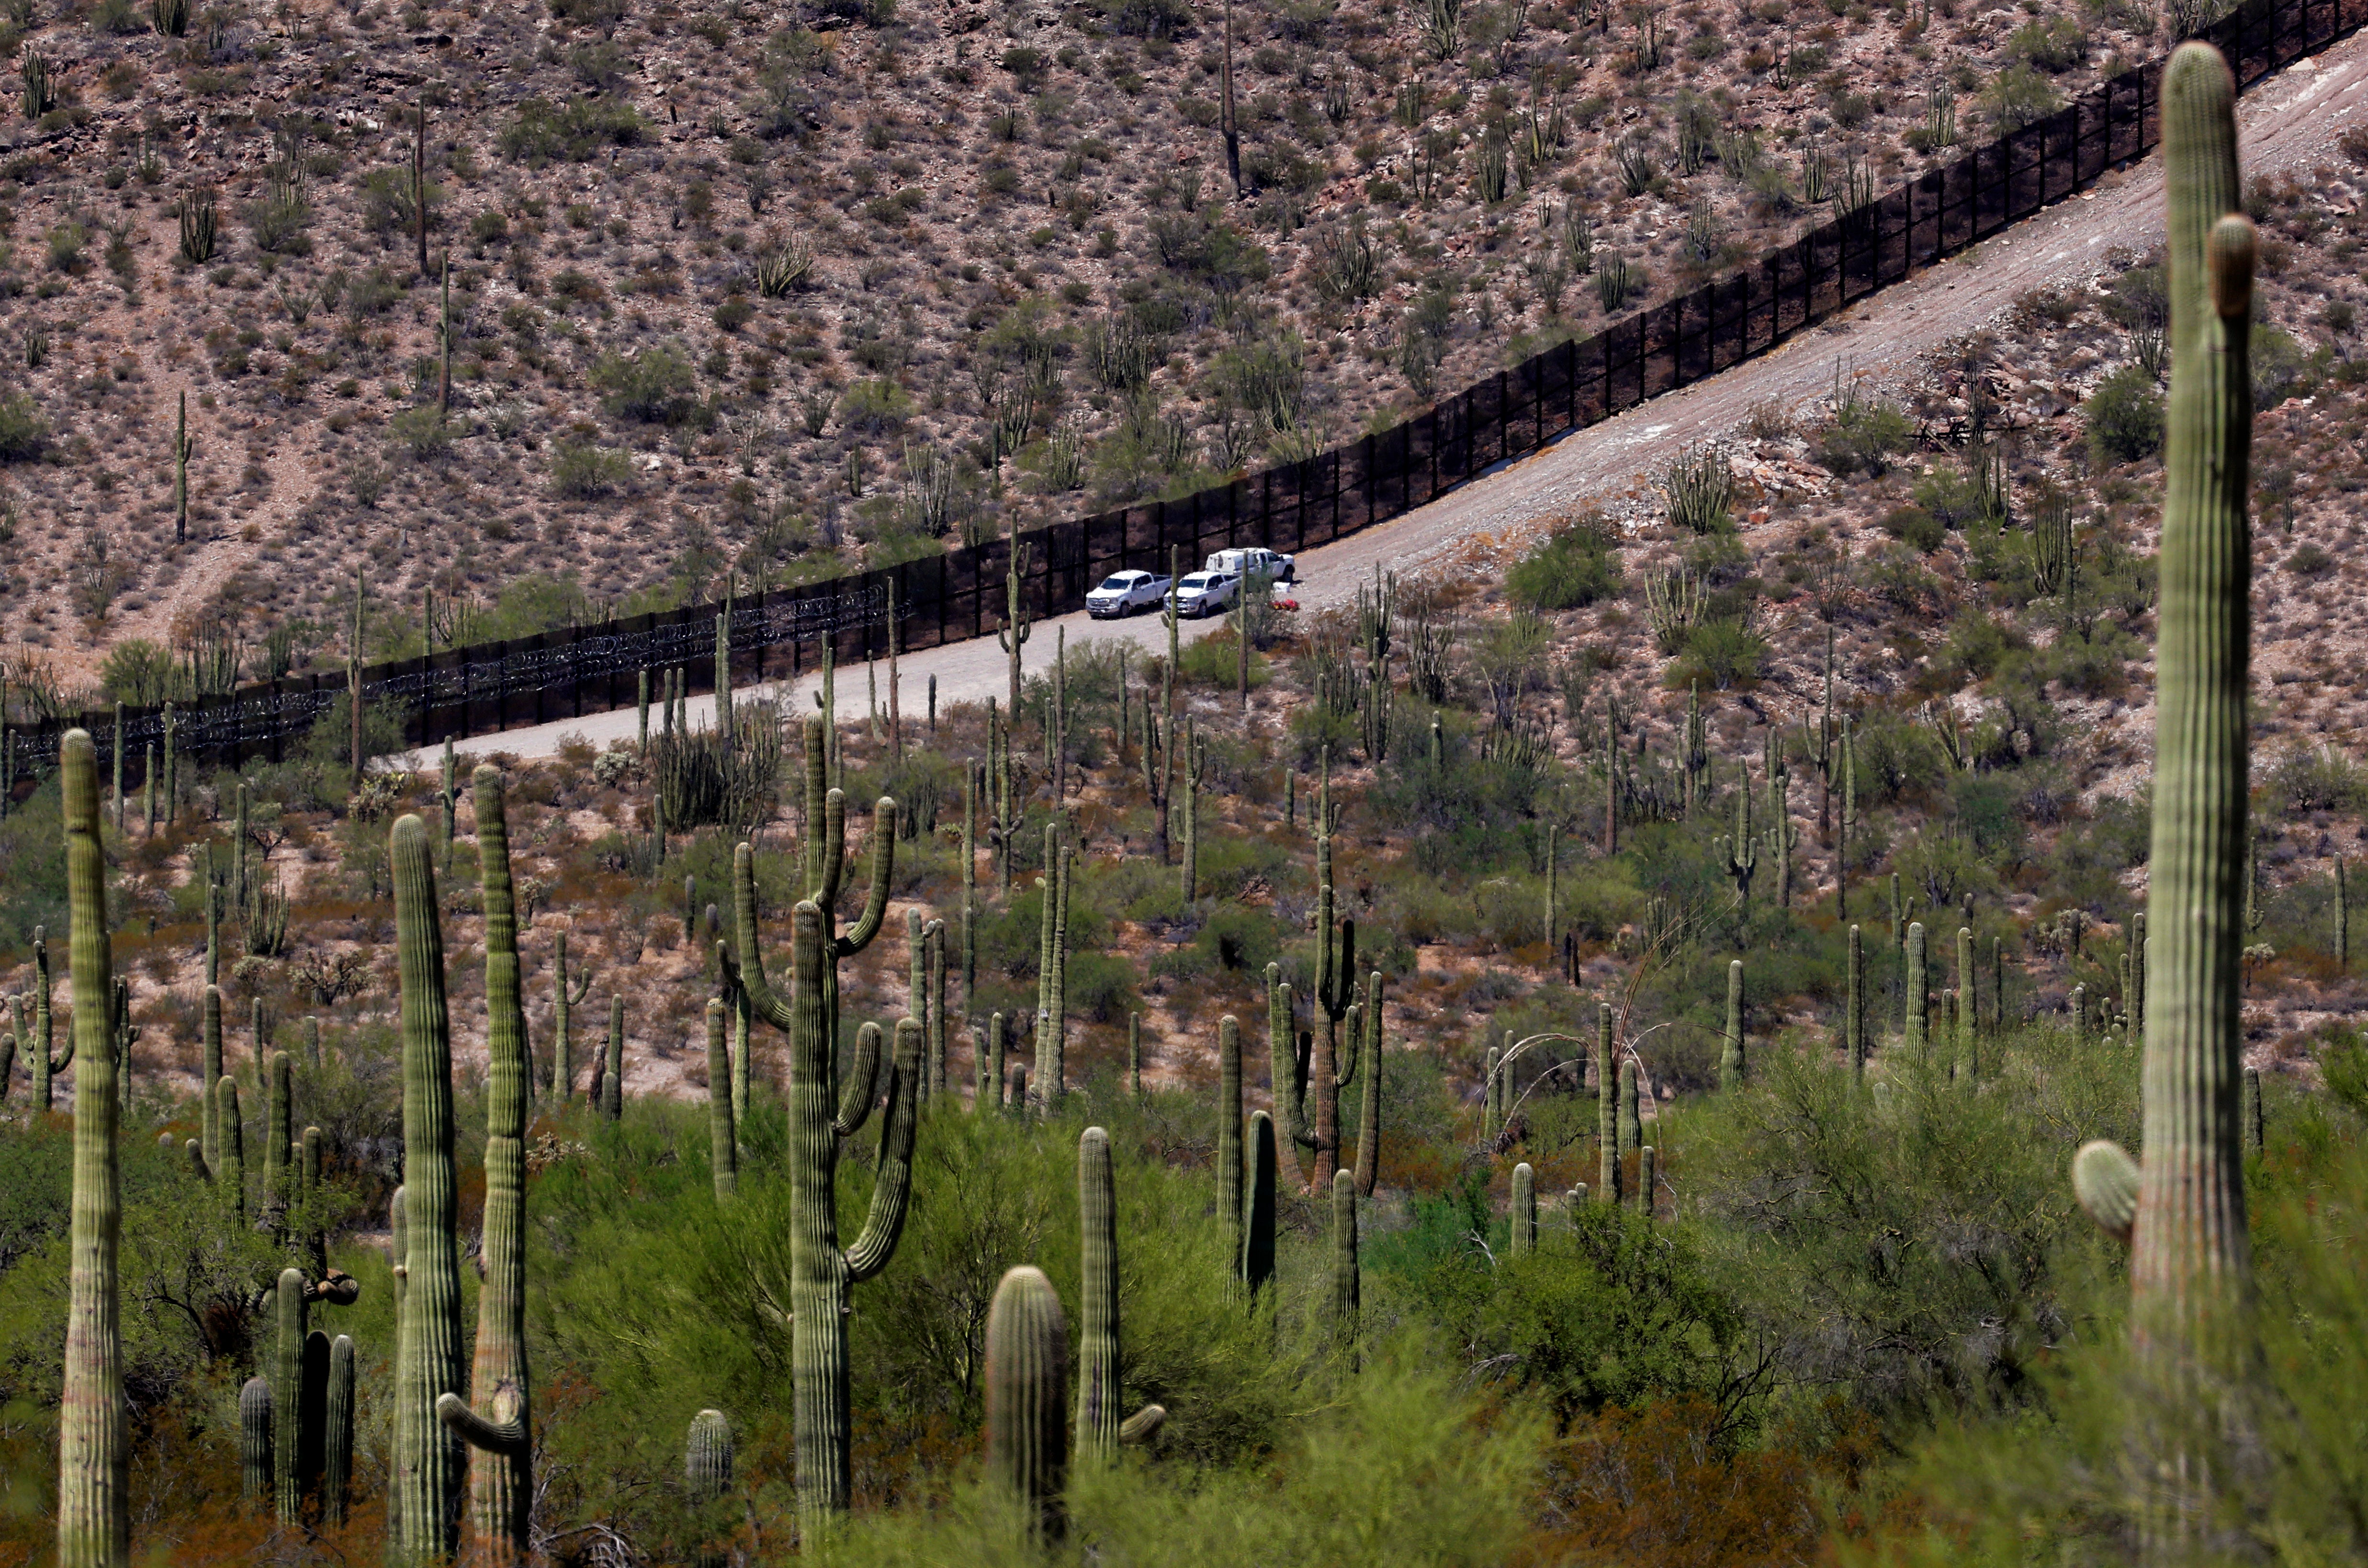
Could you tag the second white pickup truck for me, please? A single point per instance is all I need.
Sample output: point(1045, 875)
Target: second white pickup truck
point(1273, 565)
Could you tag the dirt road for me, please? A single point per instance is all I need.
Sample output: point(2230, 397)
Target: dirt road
point(2287, 121)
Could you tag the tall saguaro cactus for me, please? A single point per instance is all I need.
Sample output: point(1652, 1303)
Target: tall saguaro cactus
point(1027, 1396)
point(1099, 1428)
point(1607, 1109)
point(428, 1461)
point(1915, 1035)
point(820, 1122)
point(1335, 990)
point(45, 1065)
point(1730, 1056)
point(94, 1512)
point(2190, 1263)
point(288, 1397)
point(1368, 1107)
point(495, 1420)
point(1229, 1140)
point(565, 996)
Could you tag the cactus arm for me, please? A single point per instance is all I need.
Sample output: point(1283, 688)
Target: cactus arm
point(830, 860)
point(1143, 1424)
point(860, 1089)
point(504, 1435)
point(748, 971)
point(886, 1221)
point(1355, 1053)
point(883, 866)
point(723, 1150)
point(94, 1504)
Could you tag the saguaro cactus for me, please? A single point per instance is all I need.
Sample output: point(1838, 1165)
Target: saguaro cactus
point(1099, 1429)
point(210, 1072)
point(94, 1514)
point(337, 1440)
point(1917, 1036)
point(707, 1460)
point(724, 1150)
point(1631, 1126)
point(254, 1442)
point(612, 1074)
point(230, 1171)
point(1730, 1056)
point(1347, 1288)
point(1524, 1213)
point(45, 1065)
point(1258, 1220)
point(565, 996)
point(1028, 1396)
point(1368, 1107)
point(494, 1421)
point(1607, 1109)
point(820, 1119)
point(1229, 1140)
point(288, 1397)
point(2190, 1263)
point(1335, 990)
point(1854, 1006)
point(428, 1461)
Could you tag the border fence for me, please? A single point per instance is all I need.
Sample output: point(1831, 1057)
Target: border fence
point(961, 594)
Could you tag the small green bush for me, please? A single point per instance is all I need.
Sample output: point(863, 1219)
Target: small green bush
point(1575, 567)
point(2125, 415)
point(2018, 95)
point(582, 472)
point(1725, 653)
point(874, 407)
point(572, 132)
point(423, 431)
point(654, 387)
point(1863, 437)
point(22, 429)
point(2055, 44)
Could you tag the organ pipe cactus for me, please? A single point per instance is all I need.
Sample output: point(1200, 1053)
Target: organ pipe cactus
point(428, 1459)
point(1524, 1211)
point(1027, 1397)
point(820, 1121)
point(94, 1514)
point(1099, 1429)
point(287, 1401)
point(1730, 1058)
point(495, 1420)
point(2191, 1261)
point(724, 1148)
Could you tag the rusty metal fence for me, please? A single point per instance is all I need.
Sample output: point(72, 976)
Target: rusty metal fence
point(961, 593)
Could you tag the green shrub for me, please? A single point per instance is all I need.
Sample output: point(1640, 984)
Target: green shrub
point(1862, 437)
point(1915, 526)
point(2054, 44)
point(1724, 651)
point(2017, 96)
point(874, 407)
point(2125, 417)
point(654, 387)
point(141, 672)
point(1573, 567)
point(582, 472)
point(422, 431)
point(23, 431)
point(572, 132)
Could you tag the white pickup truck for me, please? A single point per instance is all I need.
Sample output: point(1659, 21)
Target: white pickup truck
point(1273, 565)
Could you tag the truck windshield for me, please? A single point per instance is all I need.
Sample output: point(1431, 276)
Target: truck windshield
point(1119, 583)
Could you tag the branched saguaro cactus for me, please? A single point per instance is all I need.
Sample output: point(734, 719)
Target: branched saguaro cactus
point(428, 1461)
point(495, 1420)
point(94, 1512)
point(1335, 990)
point(820, 1121)
point(2183, 1209)
point(1099, 1428)
point(1196, 767)
point(1739, 855)
point(1028, 1396)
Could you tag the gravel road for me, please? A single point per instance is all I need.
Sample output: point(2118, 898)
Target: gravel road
point(2288, 121)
